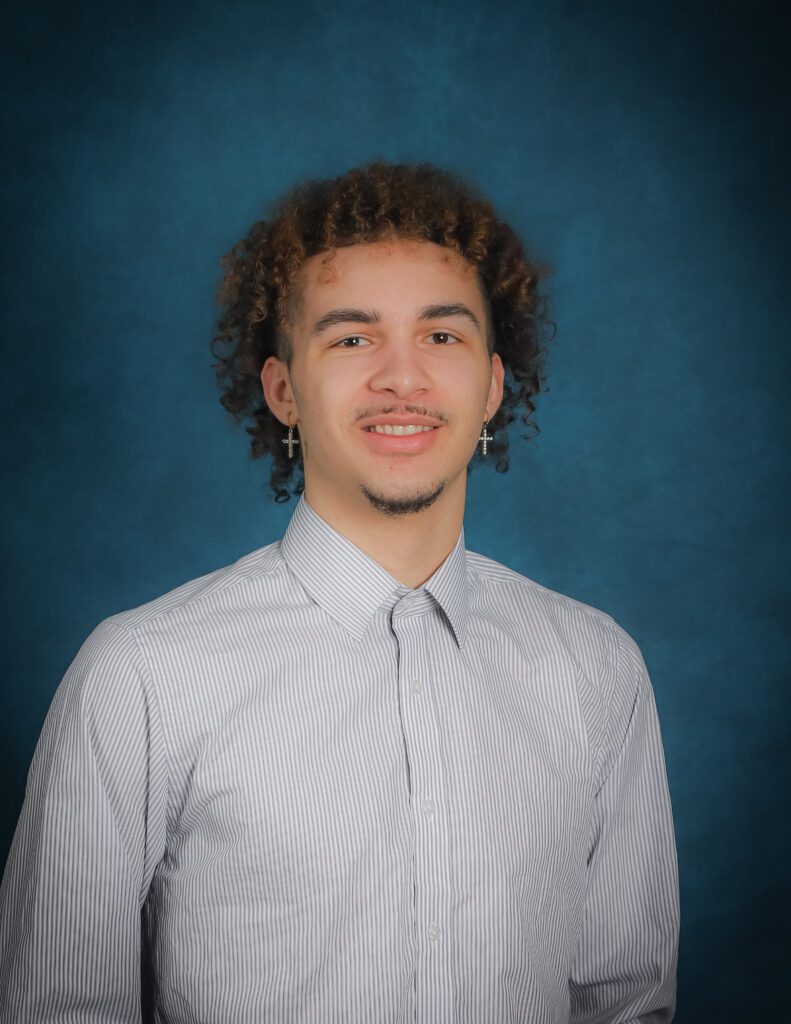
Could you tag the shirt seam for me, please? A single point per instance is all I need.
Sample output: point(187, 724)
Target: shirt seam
point(155, 706)
point(610, 723)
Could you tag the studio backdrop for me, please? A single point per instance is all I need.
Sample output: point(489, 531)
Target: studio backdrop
point(640, 149)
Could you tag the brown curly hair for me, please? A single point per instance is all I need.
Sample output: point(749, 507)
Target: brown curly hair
point(416, 201)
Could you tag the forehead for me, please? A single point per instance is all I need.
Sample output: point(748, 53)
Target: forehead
point(391, 274)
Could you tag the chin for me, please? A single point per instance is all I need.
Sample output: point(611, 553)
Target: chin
point(410, 501)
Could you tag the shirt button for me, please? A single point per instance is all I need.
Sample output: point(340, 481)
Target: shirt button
point(416, 686)
point(433, 932)
point(429, 807)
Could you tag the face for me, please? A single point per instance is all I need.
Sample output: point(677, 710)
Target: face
point(390, 379)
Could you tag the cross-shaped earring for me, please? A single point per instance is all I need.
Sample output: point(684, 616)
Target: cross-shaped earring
point(485, 438)
point(290, 441)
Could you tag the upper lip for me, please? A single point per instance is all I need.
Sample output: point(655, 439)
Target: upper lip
point(402, 420)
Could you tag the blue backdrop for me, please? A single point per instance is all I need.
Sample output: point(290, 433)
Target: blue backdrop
point(639, 148)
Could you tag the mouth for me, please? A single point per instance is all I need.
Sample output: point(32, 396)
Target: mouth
point(398, 429)
point(400, 438)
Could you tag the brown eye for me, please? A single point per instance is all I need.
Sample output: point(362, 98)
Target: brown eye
point(443, 338)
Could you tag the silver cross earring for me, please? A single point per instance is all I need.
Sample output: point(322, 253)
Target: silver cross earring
point(290, 441)
point(485, 438)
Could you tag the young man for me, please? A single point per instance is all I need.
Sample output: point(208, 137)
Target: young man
point(362, 774)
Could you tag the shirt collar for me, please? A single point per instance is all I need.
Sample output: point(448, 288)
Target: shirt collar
point(349, 585)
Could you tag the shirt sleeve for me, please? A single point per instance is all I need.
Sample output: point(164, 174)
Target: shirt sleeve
point(625, 969)
point(88, 839)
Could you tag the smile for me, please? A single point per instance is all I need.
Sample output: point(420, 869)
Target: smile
point(398, 428)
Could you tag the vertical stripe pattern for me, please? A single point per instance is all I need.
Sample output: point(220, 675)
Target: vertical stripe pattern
point(295, 790)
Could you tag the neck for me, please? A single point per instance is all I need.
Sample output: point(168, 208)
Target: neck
point(410, 547)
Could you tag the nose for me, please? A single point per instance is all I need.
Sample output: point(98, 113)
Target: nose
point(400, 370)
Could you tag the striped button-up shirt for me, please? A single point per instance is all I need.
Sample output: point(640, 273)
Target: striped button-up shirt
point(296, 790)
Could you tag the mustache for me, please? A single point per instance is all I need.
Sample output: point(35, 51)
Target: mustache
point(400, 410)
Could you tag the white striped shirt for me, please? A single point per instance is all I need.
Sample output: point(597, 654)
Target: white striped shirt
point(296, 790)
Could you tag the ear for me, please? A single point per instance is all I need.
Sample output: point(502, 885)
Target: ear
point(279, 394)
point(496, 386)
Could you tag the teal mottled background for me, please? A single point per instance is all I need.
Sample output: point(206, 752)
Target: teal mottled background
point(640, 148)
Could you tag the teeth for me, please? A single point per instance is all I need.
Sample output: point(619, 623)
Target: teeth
point(393, 428)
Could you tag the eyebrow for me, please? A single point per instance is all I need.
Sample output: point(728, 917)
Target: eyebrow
point(446, 309)
point(371, 316)
point(345, 316)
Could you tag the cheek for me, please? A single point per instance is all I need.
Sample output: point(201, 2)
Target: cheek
point(326, 401)
point(467, 386)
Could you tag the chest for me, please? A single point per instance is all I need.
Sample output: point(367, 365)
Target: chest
point(302, 766)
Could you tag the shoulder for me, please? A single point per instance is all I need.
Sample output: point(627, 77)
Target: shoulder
point(607, 660)
point(209, 590)
point(112, 663)
point(527, 602)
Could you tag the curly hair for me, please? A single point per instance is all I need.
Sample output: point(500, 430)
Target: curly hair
point(367, 204)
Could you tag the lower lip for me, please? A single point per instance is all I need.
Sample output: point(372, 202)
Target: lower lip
point(401, 444)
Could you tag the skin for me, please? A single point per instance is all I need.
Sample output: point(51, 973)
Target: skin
point(399, 499)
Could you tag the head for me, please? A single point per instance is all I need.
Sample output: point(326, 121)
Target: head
point(392, 294)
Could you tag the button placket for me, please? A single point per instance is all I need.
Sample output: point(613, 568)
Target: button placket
point(434, 986)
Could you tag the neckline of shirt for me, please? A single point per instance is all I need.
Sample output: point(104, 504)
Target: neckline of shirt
point(350, 586)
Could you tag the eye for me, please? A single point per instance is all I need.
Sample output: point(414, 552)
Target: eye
point(353, 341)
point(443, 338)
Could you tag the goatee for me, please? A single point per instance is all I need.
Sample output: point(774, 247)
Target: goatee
point(405, 506)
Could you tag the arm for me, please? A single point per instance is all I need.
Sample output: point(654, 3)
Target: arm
point(626, 959)
point(88, 839)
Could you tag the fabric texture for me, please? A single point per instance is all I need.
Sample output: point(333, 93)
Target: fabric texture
point(295, 789)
